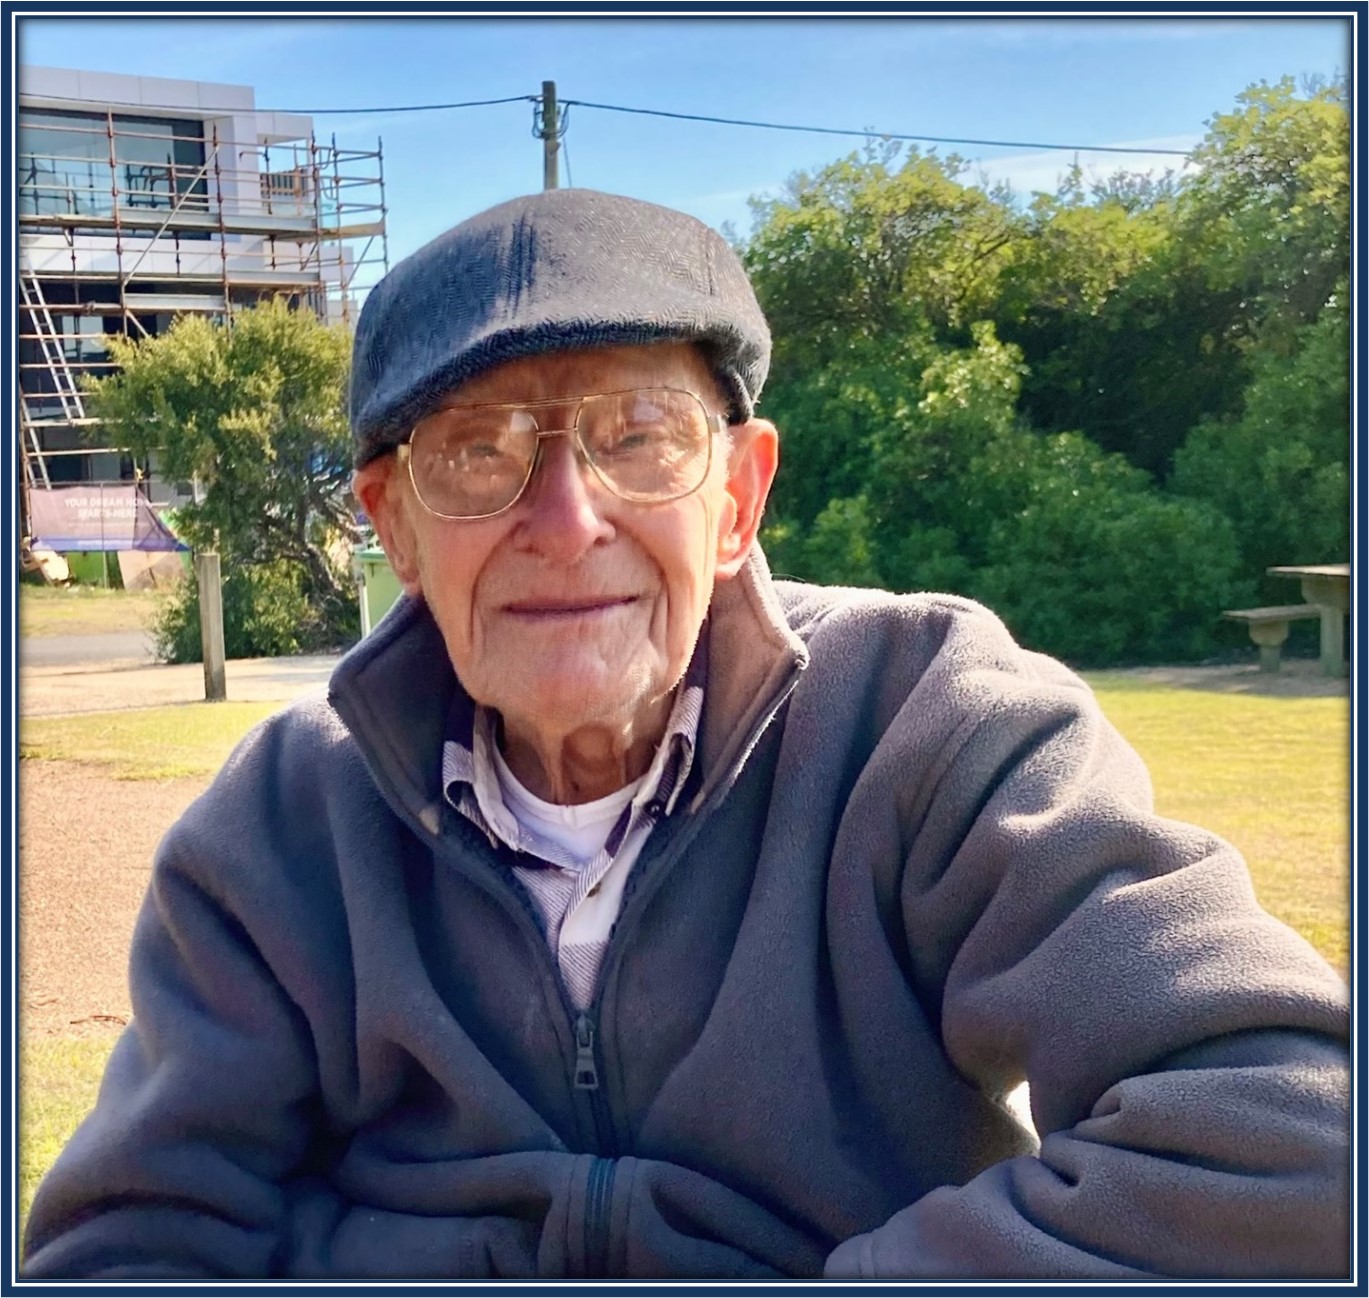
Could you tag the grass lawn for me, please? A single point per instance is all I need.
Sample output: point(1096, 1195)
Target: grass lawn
point(58, 1080)
point(1269, 774)
point(84, 610)
point(145, 743)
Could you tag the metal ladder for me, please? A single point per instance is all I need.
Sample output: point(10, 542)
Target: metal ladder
point(33, 451)
point(63, 381)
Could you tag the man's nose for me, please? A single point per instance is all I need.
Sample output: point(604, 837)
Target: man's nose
point(563, 514)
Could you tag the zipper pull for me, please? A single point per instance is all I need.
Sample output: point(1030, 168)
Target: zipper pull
point(586, 1075)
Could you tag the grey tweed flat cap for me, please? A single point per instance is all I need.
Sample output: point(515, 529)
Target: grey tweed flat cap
point(561, 269)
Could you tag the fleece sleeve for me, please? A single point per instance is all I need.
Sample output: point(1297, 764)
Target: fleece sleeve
point(202, 1155)
point(1186, 1054)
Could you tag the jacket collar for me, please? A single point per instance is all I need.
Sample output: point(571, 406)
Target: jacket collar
point(395, 689)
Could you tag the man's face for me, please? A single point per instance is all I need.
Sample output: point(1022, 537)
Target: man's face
point(576, 608)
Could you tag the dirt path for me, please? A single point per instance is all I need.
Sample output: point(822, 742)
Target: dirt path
point(86, 843)
point(1297, 678)
point(86, 840)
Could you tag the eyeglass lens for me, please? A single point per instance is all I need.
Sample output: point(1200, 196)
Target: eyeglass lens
point(645, 445)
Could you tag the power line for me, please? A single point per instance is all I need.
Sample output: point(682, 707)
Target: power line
point(682, 117)
point(228, 109)
point(873, 134)
point(407, 108)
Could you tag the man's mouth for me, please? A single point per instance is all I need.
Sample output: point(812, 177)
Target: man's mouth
point(552, 608)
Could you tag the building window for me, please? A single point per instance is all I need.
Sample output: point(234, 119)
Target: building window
point(65, 167)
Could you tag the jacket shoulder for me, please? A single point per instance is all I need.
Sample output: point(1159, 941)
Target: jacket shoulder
point(917, 632)
point(807, 606)
point(280, 796)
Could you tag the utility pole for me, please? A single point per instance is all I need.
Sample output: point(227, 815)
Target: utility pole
point(551, 141)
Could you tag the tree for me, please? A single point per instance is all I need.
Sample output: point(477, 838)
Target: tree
point(945, 462)
point(1270, 206)
point(1139, 312)
point(1072, 546)
point(992, 399)
point(865, 269)
point(1123, 331)
point(1100, 568)
point(256, 412)
point(1280, 469)
point(867, 249)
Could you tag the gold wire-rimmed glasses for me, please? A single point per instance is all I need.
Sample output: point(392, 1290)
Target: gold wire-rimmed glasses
point(646, 445)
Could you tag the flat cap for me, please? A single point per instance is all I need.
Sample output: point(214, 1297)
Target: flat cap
point(561, 269)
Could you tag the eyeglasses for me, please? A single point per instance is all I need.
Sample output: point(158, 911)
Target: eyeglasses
point(648, 445)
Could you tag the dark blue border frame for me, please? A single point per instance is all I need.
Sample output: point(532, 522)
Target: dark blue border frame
point(9, 759)
point(13, 10)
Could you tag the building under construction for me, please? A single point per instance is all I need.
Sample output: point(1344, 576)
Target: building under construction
point(140, 199)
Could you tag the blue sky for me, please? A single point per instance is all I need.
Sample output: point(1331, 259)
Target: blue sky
point(1113, 81)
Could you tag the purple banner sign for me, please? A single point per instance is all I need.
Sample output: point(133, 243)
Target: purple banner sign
point(97, 518)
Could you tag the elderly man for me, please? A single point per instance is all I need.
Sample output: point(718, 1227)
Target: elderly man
point(624, 912)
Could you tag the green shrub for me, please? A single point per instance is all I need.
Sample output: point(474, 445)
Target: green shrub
point(1280, 472)
point(265, 615)
point(840, 548)
point(1107, 575)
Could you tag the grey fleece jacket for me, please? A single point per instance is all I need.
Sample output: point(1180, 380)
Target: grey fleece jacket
point(915, 867)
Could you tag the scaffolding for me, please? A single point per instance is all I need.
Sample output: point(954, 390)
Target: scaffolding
point(118, 244)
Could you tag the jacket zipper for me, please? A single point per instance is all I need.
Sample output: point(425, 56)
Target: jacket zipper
point(586, 1080)
point(599, 1186)
point(586, 1073)
point(510, 899)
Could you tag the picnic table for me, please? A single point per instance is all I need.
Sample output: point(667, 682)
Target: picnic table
point(1327, 585)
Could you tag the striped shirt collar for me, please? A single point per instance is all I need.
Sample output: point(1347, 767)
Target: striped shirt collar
point(471, 785)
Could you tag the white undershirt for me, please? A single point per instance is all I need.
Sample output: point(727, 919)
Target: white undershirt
point(581, 830)
point(562, 856)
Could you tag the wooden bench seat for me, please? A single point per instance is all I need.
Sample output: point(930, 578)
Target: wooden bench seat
point(1268, 627)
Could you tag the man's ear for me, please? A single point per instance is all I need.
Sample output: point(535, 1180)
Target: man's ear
point(381, 488)
point(750, 472)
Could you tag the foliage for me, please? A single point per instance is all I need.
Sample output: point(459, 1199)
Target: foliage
point(839, 548)
point(265, 615)
point(1120, 331)
point(906, 441)
point(865, 250)
point(944, 466)
point(1107, 571)
point(1076, 254)
point(1270, 205)
point(1071, 545)
point(990, 397)
point(256, 413)
point(1280, 470)
point(1137, 312)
